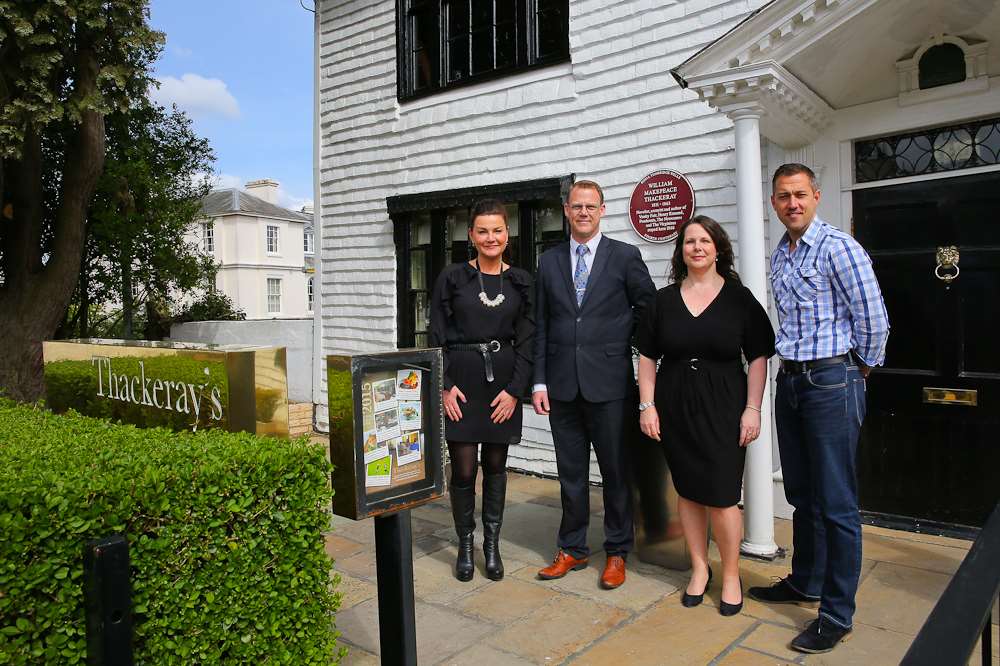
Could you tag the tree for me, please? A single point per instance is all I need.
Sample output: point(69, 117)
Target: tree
point(64, 66)
point(142, 211)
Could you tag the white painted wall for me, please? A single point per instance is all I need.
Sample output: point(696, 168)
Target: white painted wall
point(294, 334)
point(241, 249)
point(614, 114)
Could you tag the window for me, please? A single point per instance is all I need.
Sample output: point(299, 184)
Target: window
point(941, 65)
point(307, 242)
point(445, 43)
point(208, 237)
point(309, 295)
point(273, 295)
point(272, 239)
point(974, 144)
point(431, 231)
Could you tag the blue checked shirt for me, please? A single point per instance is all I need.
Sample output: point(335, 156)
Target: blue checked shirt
point(828, 299)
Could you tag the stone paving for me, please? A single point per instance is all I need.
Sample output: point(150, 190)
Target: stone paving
point(523, 620)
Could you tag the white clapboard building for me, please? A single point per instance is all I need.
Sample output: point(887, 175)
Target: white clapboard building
point(425, 105)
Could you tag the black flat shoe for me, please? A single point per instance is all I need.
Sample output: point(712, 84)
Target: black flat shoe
point(692, 600)
point(727, 609)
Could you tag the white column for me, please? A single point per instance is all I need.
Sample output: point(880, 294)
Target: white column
point(758, 484)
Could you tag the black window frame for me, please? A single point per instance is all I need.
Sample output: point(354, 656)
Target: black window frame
point(527, 55)
point(404, 210)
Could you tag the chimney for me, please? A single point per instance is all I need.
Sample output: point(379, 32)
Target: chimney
point(265, 189)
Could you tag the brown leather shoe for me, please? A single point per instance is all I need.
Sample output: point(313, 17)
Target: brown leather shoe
point(614, 572)
point(562, 565)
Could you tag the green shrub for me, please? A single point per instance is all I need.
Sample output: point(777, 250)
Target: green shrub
point(225, 536)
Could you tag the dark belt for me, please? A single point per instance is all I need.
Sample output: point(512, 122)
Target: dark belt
point(798, 367)
point(702, 363)
point(487, 349)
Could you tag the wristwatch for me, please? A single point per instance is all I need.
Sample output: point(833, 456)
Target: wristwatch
point(643, 406)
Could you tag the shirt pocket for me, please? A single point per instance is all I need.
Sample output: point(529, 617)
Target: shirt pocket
point(804, 284)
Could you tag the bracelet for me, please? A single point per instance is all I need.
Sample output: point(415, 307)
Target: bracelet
point(756, 409)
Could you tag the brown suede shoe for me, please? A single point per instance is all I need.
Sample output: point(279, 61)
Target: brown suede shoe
point(562, 565)
point(614, 572)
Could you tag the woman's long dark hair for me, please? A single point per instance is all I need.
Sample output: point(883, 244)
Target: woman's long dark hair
point(723, 248)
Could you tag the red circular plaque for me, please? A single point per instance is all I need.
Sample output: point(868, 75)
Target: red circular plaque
point(661, 202)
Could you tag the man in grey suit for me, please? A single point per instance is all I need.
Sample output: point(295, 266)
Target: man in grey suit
point(590, 293)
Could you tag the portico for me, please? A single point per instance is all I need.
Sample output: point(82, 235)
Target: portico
point(802, 81)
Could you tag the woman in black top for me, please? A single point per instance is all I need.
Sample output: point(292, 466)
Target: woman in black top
point(707, 410)
point(483, 318)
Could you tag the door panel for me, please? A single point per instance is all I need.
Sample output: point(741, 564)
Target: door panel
point(921, 460)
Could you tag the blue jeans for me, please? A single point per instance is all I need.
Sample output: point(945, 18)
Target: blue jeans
point(818, 415)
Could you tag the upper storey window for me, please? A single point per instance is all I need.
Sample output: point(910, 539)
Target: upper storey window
point(445, 43)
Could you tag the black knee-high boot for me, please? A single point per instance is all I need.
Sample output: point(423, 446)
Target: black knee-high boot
point(463, 509)
point(494, 497)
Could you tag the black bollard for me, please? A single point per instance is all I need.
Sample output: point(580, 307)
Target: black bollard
point(107, 595)
point(396, 613)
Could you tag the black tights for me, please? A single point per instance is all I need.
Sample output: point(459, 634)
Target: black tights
point(463, 461)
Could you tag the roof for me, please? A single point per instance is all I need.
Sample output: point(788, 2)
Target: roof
point(234, 200)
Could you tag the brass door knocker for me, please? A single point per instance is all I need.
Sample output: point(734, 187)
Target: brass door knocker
point(947, 259)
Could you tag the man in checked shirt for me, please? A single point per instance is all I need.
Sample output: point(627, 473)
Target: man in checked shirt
point(832, 329)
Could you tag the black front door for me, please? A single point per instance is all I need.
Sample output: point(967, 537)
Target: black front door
point(930, 446)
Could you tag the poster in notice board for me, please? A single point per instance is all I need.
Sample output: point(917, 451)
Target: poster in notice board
point(386, 431)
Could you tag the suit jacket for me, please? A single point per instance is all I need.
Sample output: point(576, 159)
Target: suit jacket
point(587, 348)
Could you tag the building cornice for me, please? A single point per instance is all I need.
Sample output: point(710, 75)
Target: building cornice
point(791, 114)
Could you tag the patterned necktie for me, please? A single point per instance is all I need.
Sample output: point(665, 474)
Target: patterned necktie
point(581, 273)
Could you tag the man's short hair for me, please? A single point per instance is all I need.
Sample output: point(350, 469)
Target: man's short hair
point(588, 185)
point(794, 169)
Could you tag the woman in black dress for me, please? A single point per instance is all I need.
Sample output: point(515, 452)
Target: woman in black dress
point(707, 410)
point(482, 316)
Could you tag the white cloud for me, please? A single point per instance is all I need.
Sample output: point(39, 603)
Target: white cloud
point(225, 181)
point(197, 95)
point(182, 51)
point(292, 202)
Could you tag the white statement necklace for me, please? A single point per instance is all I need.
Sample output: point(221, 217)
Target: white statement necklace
point(487, 301)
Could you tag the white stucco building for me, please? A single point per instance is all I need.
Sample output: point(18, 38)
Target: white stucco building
point(265, 252)
point(424, 106)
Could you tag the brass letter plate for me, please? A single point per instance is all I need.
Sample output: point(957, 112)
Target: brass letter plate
point(948, 396)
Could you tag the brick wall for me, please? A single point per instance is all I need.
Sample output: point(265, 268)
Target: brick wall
point(614, 114)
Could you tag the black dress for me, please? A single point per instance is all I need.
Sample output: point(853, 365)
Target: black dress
point(458, 316)
point(701, 388)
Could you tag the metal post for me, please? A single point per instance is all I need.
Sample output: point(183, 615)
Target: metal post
point(987, 646)
point(394, 566)
point(107, 598)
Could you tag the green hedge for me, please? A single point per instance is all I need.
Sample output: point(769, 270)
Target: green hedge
point(74, 385)
point(225, 536)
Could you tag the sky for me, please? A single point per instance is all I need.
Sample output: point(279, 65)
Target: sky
point(243, 71)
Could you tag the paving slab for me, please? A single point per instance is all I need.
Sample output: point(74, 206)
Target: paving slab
point(558, 629)
point(668, 633)
point(773, 640)
point(899, 598)
point(505, 601)
point(743, 657)
point(354, 591)
point(434, 578)
point(644, 585)
point(866, 645)
point(441, 632)
point(358, 657)
point(934, 557)
point(339, 547)
point(485, 655)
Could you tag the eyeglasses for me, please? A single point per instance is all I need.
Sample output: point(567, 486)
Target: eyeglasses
point(577, 208)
